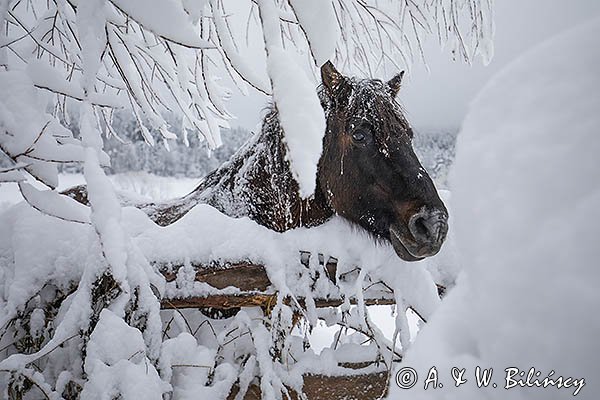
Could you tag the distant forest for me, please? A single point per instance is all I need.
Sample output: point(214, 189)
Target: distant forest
point(131, 153)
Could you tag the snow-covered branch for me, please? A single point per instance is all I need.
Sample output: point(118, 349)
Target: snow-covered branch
point(163, 58)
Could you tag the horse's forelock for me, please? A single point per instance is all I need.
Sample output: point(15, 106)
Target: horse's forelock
point(371, 101)
point(367, 100)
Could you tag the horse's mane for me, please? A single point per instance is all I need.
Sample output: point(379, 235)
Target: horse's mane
point(256, 182)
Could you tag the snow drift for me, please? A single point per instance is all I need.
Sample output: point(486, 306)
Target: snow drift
point(526, 198)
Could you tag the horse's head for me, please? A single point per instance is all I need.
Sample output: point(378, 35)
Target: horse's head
point(368, 171)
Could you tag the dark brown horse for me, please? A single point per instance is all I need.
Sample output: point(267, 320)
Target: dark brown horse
point(368, 173)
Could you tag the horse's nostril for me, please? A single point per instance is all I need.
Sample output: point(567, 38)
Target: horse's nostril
point(420, 228)
point(430, 227)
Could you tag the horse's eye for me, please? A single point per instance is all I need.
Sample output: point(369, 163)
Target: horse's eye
point(359, 136)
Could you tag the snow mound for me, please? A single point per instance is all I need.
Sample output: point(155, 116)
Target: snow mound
point(117, 365)
point(526, 197)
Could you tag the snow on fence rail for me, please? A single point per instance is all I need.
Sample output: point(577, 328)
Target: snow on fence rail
point(254, 285)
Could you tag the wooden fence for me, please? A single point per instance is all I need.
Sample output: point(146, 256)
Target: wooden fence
point(254, 286)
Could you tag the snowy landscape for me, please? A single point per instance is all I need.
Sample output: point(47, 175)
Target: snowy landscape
point(157, 243)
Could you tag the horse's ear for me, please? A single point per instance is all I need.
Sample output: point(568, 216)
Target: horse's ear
point(395, 83)
point(330, 76)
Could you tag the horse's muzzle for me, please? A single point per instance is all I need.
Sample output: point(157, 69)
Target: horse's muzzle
point(424, 235)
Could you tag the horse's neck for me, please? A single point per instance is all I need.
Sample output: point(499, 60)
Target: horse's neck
point(258, 183)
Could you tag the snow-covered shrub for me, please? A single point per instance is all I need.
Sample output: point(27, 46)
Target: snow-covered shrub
point(73, 275)
point(526, 201)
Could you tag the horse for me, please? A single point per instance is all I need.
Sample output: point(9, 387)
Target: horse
point(368, 173)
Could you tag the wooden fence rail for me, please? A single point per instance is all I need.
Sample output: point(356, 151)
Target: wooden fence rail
point(253, 282)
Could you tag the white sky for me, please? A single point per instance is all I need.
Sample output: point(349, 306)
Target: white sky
point(438, 100)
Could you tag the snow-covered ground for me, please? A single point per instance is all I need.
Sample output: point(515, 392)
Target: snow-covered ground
point(526, 197)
